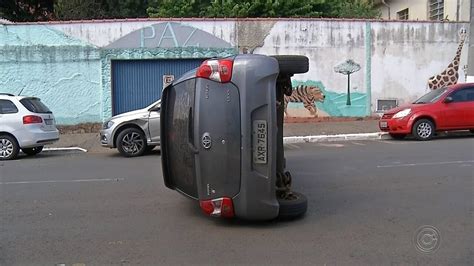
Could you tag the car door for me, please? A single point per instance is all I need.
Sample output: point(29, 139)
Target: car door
point(9, 118)
point(154, 123)
point(459, 113)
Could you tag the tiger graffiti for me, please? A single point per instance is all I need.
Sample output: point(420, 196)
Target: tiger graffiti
point(308, 95)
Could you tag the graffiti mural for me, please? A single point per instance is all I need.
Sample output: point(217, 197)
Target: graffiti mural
point(450, 75)
point(308, 95)
point(331, 104)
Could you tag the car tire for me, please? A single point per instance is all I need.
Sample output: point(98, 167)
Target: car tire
point(9, 148)
point(292, 64)
point(131, 142)
point(32, 151)
point(397, 136)
point(472, 131)
point(293, 208)
point(423, 129)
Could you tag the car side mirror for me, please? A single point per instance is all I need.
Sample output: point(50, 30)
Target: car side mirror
point(155, 109)
point(448, 99)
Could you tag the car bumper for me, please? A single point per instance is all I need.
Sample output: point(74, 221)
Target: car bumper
point(106, 138)
point(395, 125)
point(36, 137)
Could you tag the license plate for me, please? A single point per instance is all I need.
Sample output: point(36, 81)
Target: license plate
point(259, 133)
point(383, 124)
point(48, 122)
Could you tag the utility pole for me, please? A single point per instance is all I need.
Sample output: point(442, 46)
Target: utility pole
point(470, 51)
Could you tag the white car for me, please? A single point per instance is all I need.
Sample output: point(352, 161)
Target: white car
point(26, 124)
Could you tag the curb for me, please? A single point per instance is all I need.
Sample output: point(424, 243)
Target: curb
point(338, 137)
point(68, 149)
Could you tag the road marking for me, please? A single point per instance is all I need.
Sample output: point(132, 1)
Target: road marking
point(66, 149)
point(358, 143)
point(62, 181)
point(423, 164)
point(331, 145)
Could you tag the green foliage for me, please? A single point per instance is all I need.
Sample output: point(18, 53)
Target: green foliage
point(99, 9)
point(26, 10)
point(39, 10)
point(353, 9)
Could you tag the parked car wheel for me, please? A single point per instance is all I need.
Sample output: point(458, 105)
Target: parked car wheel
point(423, 129)
point(8, 147)
point(293, 63)
point(131, 142)
point(32, 151)
point(397, 136)
point(293, 207)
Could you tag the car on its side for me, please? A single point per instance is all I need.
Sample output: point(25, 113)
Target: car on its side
point(26, 124)
point(133, 133)
point(444, 109)
point(222, 136)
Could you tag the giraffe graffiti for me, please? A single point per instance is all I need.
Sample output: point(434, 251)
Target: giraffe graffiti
point(450, 75)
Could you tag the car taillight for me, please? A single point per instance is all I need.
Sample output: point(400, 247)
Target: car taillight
point(32, 119)
point(221, 207)
point(217, 70)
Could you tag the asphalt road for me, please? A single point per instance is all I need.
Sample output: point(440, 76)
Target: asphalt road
point(366, 201)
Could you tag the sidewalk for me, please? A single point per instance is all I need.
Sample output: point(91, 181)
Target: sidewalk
point(90, 141)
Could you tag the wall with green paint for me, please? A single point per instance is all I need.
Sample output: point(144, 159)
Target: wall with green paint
point(68, 64)
point(64, 72)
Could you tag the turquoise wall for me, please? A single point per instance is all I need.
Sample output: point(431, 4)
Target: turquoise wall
point(63, 72)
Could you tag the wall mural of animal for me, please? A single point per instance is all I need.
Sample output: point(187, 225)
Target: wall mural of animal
point(308, 95)
point(450, 75)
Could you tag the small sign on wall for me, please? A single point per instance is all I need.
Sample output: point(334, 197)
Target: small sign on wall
point(167, 80)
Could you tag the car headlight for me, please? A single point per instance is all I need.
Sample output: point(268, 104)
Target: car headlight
point(402, 113)
point(108, 124)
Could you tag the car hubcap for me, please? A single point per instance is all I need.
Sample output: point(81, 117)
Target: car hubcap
point(132, 143)
point(6, 148)
point(424, 130)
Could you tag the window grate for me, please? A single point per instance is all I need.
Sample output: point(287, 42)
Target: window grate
point(436, 9)
point(403, 15)
point(386, 104)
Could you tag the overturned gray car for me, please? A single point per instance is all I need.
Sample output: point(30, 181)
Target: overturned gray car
point(222, 137)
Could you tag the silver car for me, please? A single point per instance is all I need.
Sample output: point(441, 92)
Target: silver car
point(133, 133)
point(26, 124)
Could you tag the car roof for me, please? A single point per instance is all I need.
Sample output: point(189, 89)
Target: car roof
point(4, 95)
point(461, 86)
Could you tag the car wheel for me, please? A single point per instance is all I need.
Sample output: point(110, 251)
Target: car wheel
point(472, 131)
point(8, 147)
point(423, 129)
point(131, 142)
point(32, 151)
point(292, 63)
point(397, 136)
point(293, 206)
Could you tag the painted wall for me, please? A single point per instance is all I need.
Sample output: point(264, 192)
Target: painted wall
point(64, 72)
point(71, 62)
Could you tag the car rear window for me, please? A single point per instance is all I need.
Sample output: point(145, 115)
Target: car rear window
point(177, 140)
point(35, 105)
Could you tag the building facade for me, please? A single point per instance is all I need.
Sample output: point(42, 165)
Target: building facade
point(429, 10)
point(87, 71)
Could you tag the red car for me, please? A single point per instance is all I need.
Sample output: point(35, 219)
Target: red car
point(449, 108)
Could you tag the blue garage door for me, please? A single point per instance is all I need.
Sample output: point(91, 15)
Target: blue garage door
point(138, 83)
